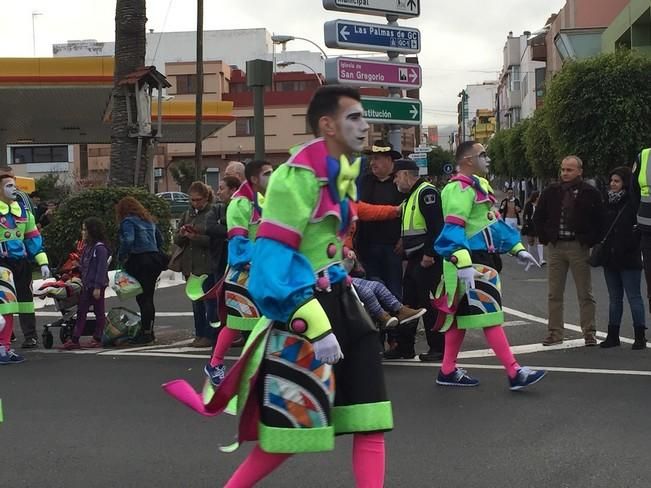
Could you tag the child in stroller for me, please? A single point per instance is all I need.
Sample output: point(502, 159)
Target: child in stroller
point(65, 290)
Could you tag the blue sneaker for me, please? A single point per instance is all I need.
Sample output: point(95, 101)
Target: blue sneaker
point(526, 377)
point(215, 374)
point(9, 357)
point(458, 377)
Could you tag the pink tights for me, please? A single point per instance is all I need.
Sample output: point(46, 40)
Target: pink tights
point(368, 463)
point(224, 340)
point(496, 339)
point(5, 334)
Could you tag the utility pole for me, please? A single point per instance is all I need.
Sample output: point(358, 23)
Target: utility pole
point(199, 92)
point(259, 74)
point(395, 131)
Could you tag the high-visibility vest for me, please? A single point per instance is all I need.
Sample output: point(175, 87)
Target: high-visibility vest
point(644, 180)
point(413, 220)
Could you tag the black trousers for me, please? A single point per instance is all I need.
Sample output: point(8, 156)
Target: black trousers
point(146, 268)
point(417, 284)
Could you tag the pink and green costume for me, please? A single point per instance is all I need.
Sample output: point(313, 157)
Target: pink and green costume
point(286, 399)
point(473, 235)
point(242, 219)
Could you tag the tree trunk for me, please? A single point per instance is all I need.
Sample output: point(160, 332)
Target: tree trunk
point(130, 47)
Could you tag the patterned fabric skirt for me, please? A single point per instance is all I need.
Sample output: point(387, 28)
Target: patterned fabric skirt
point(242, 313)
point(305, 403)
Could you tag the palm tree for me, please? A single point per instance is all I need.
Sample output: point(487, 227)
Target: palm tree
point(130, 47)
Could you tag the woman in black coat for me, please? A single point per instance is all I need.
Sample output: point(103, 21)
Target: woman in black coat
point(622, 259)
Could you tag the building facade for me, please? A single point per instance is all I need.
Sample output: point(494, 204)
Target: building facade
point(631, 29)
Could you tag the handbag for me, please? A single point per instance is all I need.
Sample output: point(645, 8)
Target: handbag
point(122, 324)
point(125, 286)
point(598, 252)
point(174, 263)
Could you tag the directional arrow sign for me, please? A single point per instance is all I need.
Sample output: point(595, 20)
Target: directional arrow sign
point(347, 34)
point(400, 111)
point(363, 72)
point(403, 9)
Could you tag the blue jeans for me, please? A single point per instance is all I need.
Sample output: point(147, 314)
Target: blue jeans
point(618, 282)
point(205, 311)
point(382, 264)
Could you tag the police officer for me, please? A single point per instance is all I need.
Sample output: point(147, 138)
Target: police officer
point(422, 221)
point(642, 193)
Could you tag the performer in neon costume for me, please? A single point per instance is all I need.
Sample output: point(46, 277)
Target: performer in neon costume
point(242, 219)
point(284, 381)
point(472, 239)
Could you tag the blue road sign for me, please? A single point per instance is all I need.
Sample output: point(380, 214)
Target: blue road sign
point(347, 34)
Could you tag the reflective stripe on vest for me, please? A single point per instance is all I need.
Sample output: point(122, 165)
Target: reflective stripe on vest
point(644, 180)
point(413, 221)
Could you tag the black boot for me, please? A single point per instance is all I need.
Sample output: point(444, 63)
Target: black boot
point(612, 339)
point(640, 339)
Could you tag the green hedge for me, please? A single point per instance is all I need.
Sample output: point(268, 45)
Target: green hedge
point(60, 236)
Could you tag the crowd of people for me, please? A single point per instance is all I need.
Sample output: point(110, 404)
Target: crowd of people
point(325, 266)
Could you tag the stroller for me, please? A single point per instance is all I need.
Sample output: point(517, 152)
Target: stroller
point(66, 298)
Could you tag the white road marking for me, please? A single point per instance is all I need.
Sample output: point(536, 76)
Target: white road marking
point(542, 320)
point(53, 313)
point(512, 323)
point(524, 349)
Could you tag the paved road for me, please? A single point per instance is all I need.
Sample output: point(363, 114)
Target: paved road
point(100, 420)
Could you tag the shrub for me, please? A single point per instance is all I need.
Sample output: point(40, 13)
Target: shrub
point(61, 235)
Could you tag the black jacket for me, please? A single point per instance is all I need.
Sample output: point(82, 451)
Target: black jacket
point(622, 246)
point(528, 228)
point(429, 203)
point(217, 231)
point(378, 192)
point(588, 214)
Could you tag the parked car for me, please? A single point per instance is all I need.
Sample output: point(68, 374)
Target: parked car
point(178, 201)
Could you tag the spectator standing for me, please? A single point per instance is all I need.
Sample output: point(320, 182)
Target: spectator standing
point(194, 237)
point(569, 219)
point(622, 259)
point(529, 229)
point(377, 243)
point(48, 215)
point(510, 209)
point(422, 222)
point(235, 169)
point(93, 264)
point(228, 185)
point(140, 252)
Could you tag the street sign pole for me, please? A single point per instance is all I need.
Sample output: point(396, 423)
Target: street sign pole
point(395, 131)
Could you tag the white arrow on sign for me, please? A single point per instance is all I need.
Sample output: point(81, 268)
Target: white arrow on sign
point(344, 32)
point(414, 111)
point(413, 75)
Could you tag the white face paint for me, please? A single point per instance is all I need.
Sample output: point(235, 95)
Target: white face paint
point(9, 189)
point(352, 126)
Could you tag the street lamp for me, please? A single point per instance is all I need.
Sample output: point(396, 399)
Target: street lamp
point(283, 39)
point(34, 15)
point(284, 64)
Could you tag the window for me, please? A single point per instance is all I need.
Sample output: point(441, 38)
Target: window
point(286, 86)
point(540, 82)
point(244, 127)
point(186, 84)
point(515, 78)
point(39, 154)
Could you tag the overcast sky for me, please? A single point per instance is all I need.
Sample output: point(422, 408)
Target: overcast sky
point(462, 39)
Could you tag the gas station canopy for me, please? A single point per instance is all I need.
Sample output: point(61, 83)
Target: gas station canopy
point(67, 101)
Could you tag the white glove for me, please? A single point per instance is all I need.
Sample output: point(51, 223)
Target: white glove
point(3, 322)
point(467, 277)
point(327, 350)
point(526, 260)
point(45, 271)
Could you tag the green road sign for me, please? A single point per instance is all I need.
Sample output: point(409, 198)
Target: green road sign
point(400, 111)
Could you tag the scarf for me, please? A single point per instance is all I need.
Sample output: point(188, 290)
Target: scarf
point(615, 196)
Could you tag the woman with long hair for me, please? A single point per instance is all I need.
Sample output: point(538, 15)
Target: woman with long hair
point(528, 228)
point(197, 230)
point(140, 253)
point(622, 259)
